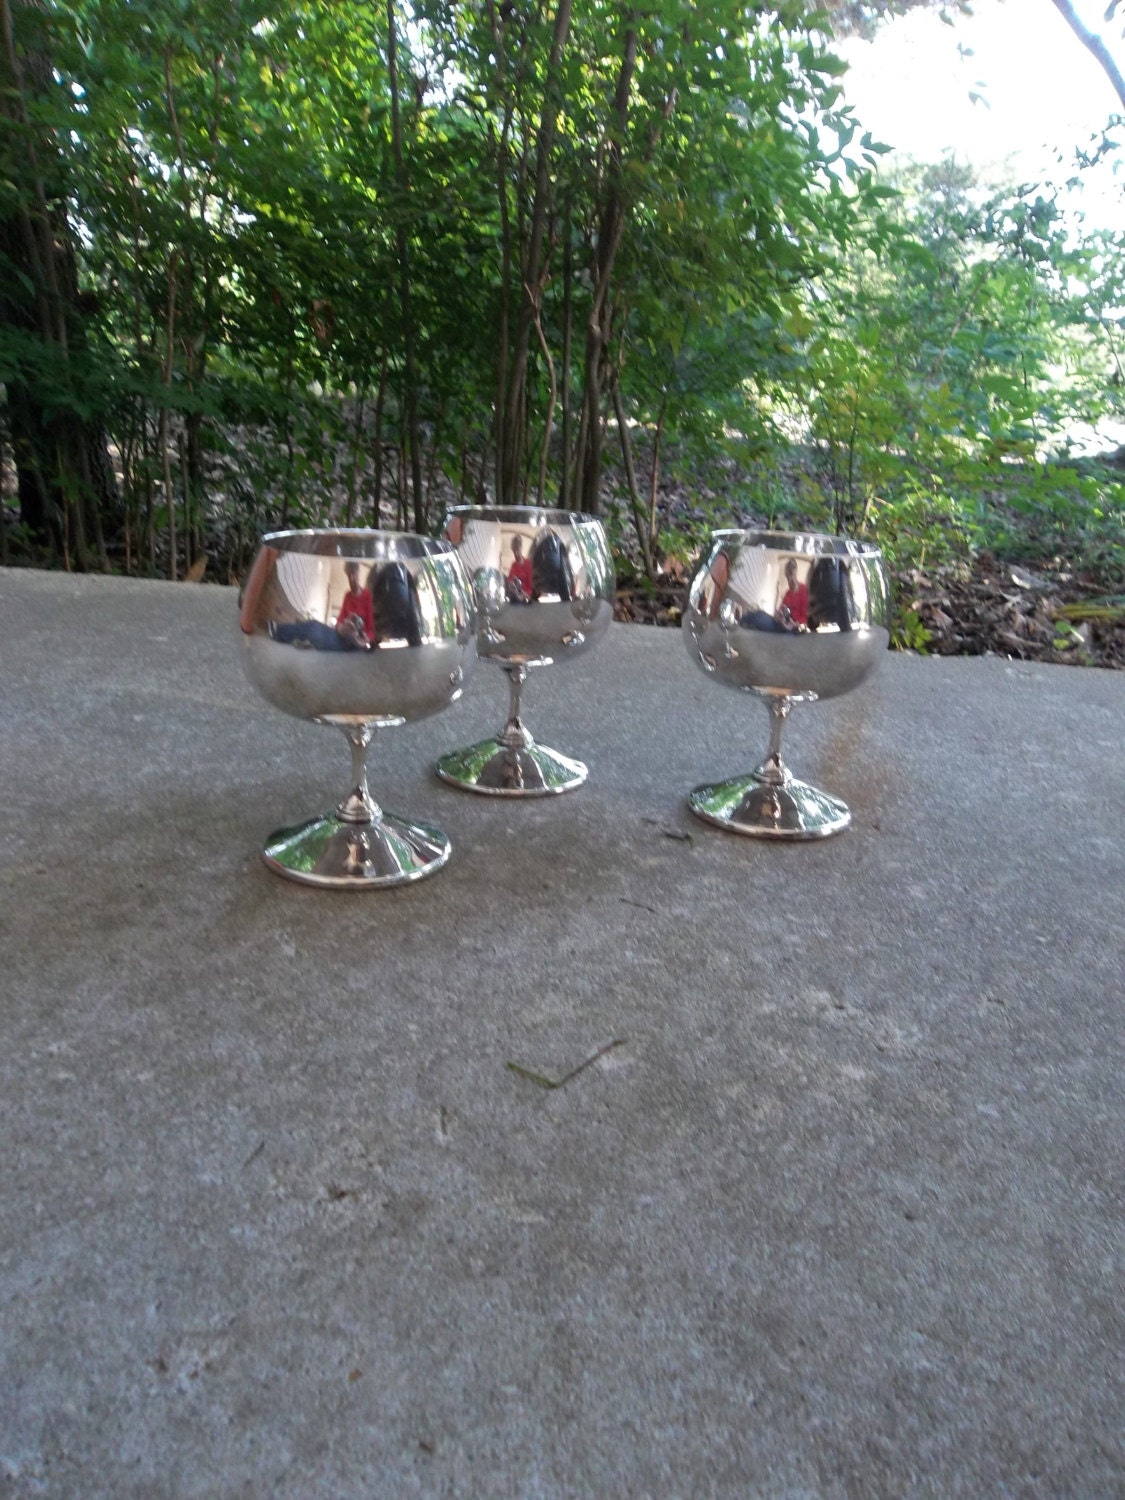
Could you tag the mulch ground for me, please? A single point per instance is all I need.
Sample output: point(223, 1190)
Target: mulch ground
point(983, 608)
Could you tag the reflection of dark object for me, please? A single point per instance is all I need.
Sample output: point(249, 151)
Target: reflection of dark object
point(758, 619)
point(550, 568)
point(313, 633)
point(394, 597)
point(830, 594)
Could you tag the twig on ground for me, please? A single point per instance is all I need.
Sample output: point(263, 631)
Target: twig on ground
point(551, 1083)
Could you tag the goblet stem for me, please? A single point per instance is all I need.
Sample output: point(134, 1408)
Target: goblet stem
point(357, 846)
point(359, 806)
point(773, 769)
point(514, 735)
point(770, 802)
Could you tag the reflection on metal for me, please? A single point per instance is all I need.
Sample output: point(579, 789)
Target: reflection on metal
point(488, 587)
point(400, 649)
point(747, 805)
point(789, 617)
point(728, 621)
point(302, 577)
point(543, 583)
point(391, 851)
point(524, 769)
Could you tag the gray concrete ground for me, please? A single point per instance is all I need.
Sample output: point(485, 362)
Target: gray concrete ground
point(839, 1215)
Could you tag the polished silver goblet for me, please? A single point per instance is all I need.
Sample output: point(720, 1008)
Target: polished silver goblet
point(361, 630)
point(543, 583)
point(790, 618)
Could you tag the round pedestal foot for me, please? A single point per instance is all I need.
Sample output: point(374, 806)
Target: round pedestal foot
point(329, 851)
point(787, 810)
point(500, 770)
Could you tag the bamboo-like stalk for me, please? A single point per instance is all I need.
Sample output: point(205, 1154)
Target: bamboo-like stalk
point(377, 483)
point(549, 418)
point(403, 250)
point(357, 438)
point(611, 229)
point(636, 503)
point(568, 333)
point(534, 261)
point(166, 461)
point(654, 486)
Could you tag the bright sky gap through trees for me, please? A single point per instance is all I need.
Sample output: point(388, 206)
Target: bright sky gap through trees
point(1009, 90)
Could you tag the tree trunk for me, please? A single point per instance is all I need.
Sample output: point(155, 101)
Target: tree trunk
point(611, 227)
point(533, 273)
point(1094, 44)
point(410, 377)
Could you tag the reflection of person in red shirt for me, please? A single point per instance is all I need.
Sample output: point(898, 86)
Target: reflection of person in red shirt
point(356, 620)
point(519, 574)
point(793, 611)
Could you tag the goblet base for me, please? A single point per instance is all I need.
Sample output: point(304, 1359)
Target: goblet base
point(497, 769)
point(331, 851)
point(786, 809)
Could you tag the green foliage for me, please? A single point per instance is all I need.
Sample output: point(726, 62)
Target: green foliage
point(311, 286)
point(944, 358)
point(909, 632)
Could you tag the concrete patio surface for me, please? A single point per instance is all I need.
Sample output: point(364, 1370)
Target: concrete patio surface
point(838, 1212)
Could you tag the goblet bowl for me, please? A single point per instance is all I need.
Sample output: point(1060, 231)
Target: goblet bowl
point(361, 630)
point(788, 617)
point(543, 583)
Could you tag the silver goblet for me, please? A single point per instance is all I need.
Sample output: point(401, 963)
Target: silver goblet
point(789, 618)
point(543, 582)
point(361, 630)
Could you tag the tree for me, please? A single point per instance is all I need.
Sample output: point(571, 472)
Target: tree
point(1094, 42)
point(50, 370)
point(333, 259)
point(623, 142)
point(953, 352)
point(863, 17)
